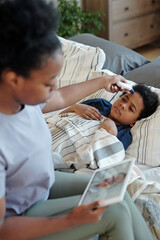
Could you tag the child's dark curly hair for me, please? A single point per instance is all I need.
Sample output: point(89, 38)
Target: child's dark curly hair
point(27, 34)
point(150, 100)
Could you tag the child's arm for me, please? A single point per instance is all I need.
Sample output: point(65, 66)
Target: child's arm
point(110, 126)
point(84, 110)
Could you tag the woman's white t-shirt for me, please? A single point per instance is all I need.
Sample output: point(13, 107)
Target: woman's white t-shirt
point(26, 166)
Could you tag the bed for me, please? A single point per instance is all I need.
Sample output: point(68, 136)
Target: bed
point(87, 56)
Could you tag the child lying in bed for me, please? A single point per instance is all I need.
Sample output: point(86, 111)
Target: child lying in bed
point(85, 143)
point(123, 114)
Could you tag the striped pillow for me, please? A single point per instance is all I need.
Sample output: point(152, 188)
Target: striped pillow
point(145, 144)
point(79, 62)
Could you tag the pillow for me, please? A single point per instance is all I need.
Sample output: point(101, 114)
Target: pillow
point(79, 62)
point(145, 133)
point(148, 74)
point(119, 59)
point(145, 143)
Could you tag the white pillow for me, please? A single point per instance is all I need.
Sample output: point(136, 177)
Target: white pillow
point(145, 146)
point(79, 62)
point(145, 143)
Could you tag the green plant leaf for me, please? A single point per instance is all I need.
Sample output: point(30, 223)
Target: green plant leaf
point(73, 20)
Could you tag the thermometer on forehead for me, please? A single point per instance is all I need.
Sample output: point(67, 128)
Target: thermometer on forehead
point(125, 86)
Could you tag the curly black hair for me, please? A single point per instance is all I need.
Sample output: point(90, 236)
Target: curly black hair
point(27, 34)
point(150, 100)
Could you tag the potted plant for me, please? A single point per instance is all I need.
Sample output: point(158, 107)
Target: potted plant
point(73, 20)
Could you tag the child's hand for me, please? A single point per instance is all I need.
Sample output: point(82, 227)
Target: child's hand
point(86, 111)
point(110, 126)
point(85, 214)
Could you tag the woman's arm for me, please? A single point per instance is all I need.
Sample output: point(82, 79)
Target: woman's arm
point(68, 95)
point(27, 228)
point(2, 210)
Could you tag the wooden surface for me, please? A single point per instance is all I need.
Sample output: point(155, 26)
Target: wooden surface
point(132, 23)
point(126, 9)
point(150, 51)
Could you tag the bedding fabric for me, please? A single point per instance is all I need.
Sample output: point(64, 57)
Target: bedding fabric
point(82, 144)
point(145, 193)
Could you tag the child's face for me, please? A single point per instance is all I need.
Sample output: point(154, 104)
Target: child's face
point(126, 110)
point(38, 87)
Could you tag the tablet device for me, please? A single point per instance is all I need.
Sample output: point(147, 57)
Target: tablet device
point(108, 184)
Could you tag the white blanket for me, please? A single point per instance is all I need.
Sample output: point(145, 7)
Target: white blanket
point(82, 144)
point(146, 194)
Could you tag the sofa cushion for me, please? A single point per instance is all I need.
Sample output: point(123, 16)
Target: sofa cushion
point(148, 74)
point(119, 59)
point(79, 62)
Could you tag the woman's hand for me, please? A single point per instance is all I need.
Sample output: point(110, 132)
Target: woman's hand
point(86, 214)
point(2, 210)
point(9, 229)
point(111, 84)
point(110, 126)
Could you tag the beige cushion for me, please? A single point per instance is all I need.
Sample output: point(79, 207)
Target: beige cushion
point(79, 62)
